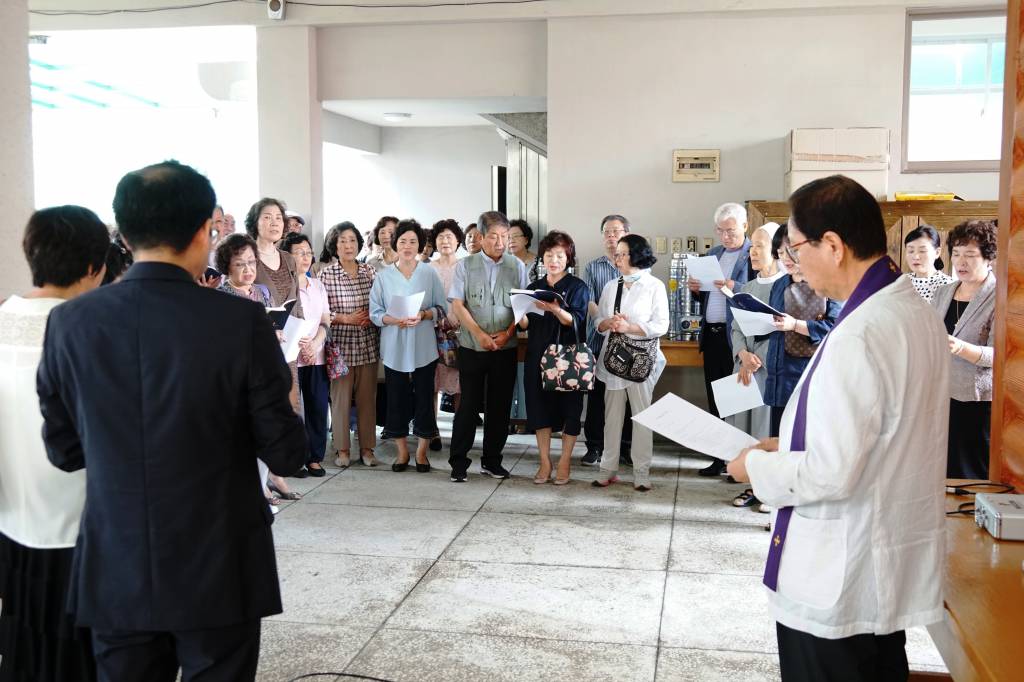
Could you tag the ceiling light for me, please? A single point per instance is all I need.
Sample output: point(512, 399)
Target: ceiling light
point(397, 116)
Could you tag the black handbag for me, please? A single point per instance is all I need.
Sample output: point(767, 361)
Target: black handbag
point(567, 368)
point(628, 358)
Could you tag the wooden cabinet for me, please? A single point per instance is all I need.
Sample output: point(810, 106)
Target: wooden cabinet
point(901, 217)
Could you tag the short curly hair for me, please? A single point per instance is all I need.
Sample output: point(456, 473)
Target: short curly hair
point(446, 225)
point(380, 226)
point(981, 232)
point(554, 239)
point(233, 245)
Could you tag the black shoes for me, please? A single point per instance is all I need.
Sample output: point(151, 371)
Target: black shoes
point(494, 471)
point(301, 473)
point(318, 472)
point(716, 468)
point(423, 468)
point(458, 476)
point(399, 467)
point(591, 457)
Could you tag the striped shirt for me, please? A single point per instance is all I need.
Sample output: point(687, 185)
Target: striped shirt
point(346, 294)
point(597, 274)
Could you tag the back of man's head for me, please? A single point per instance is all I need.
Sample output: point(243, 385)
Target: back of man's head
point(840, 205)
point(489, 219)
point(163, 205)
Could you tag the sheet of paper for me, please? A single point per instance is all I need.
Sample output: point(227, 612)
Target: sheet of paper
point(753, 324)
point(294, 329)
point(692, 427)
point(402, 307)
point(732, 397)
point(705, 268)
point(522, 304)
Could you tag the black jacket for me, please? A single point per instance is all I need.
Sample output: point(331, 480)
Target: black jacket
point(166, 392)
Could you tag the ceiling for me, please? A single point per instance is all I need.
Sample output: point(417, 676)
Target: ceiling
point(434, 112)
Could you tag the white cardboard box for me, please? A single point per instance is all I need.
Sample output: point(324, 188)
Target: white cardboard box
point(874, 181)
point(836, 149)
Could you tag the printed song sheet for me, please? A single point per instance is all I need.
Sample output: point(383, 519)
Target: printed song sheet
point(692, 427)
point(707, 269)
point(404, 307)
point(753, 324)
point(294, 329)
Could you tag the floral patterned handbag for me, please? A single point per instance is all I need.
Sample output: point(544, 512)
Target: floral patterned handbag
point(567, 368)
point(336, 366)
point(447, 338)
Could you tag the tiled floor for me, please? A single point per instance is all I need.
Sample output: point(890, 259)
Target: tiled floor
point(409, 577)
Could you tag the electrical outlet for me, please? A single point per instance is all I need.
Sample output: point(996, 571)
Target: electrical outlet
point(677, 244)
point(660, 245)
point(691, 244)
point(708, 243)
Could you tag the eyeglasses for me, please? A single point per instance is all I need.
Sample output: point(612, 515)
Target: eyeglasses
point(302, 252)
point(793, 250)
point(243, 264)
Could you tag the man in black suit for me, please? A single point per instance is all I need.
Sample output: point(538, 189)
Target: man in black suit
point(174, 564)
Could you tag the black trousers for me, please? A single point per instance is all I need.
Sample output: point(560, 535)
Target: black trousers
point(316, 392)
point(970, 426)
point(860, 658)
point(490, 376)
point(776, 421)
point(227, 654)
point(410, 396)
point(718, 361)
point(593, 427)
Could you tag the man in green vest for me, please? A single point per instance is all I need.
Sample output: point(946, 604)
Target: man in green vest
point(480, 296)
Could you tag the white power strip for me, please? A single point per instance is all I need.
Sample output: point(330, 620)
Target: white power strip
point(1002, 515)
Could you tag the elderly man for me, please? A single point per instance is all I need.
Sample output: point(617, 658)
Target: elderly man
point(857, 476)
point(229, 225)
point(487, 346)
point(733, 254)
point(597, 274)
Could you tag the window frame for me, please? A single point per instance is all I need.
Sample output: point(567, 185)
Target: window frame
point(960, 166)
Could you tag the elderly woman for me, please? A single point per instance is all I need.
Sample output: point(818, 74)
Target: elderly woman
point(313, 381)
point(383, 254)
point(40, 505)
point(408, 346)
point(968, 308)
point(921, 249)
point(328, 254)
point(808, 318)
point(275, 269)
point(548, 411)
point(642, 314)
point(520, 238)
point(447, 237)
point(236, 258)
point(354, 336)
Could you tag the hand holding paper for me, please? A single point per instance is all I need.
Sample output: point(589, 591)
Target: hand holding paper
point(294, 330)
point(707, 269)
point(404, 307)
point(523, 304)
point(733, 397)
point(753, 324)
point(692, 427)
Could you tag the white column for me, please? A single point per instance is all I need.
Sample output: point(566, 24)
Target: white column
point(17, 195)
point(290, 139)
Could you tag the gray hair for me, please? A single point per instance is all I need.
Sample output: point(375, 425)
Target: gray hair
point(730, 210)
point(615, 216)
point(489, 219)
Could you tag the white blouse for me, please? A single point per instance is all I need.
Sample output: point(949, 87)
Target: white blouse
point(645, 303)
point(40, 505)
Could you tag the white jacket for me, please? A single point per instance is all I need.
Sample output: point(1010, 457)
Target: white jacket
point(864, 551)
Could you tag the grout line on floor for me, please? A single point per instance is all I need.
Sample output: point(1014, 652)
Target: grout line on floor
point(668, 564)
point(420, 579)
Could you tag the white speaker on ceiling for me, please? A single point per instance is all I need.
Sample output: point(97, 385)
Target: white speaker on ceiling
point(275, 9)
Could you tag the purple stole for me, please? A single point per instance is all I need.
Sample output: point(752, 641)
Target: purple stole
point(880, 275)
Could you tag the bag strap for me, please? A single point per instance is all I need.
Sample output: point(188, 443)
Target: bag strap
point(561, 327)
point(618, 296)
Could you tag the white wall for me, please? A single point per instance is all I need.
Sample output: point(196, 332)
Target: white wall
point(624, 92)
point(423, 173)
point(436, 61)
point(16, 191)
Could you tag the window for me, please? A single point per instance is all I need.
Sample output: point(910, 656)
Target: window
point(953, 92)
point(107, 102)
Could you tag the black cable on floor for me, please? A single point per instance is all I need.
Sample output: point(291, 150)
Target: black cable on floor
point(336, 676)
